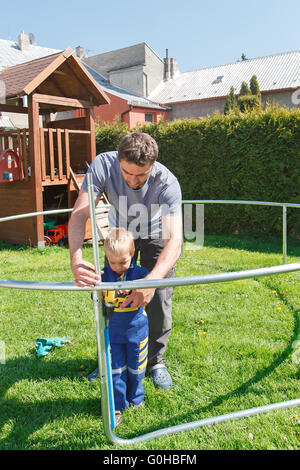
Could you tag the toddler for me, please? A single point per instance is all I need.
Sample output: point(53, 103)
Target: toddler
point(128, 327)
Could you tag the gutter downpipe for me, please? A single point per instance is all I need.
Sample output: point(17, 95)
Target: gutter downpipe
point(126, 112)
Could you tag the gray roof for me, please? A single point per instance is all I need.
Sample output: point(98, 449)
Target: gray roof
point(11, 54)
point(275, 72)
point(5, 122)
point(131, 98)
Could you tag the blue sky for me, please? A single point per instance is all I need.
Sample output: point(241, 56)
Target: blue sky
point(197, 33)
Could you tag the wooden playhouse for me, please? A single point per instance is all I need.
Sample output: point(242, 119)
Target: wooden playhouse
point(51, 156)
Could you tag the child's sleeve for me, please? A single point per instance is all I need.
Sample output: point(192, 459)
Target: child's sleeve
point(141, 272)
point(104, 275)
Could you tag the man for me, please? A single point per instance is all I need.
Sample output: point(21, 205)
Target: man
point(146, 200)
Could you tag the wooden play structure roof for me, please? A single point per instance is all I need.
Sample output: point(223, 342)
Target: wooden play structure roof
point(60, 75)
point(52, 155)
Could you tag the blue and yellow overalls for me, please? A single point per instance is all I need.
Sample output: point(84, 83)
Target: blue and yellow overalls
point(128, 336)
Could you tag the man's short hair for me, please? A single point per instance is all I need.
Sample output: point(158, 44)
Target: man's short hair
point(119, 240)
point(139, 148)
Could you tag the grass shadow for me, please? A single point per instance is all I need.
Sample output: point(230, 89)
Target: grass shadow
point(31, 414)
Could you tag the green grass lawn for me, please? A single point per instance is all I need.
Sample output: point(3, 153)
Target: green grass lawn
point(233, 347)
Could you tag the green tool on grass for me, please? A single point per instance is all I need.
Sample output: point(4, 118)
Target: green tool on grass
point(44, 345)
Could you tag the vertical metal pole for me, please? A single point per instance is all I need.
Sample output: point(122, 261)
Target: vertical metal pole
point(108, 418)
point(284, 234)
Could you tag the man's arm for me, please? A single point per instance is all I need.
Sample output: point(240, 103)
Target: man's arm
point(83, 271)
point(172, 234)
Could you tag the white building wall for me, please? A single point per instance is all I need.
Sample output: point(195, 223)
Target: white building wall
point(131, 79)
point(196, 109)
point(153, 70)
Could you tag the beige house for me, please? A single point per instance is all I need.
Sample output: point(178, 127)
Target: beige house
point(202, 92)
point(199, 92)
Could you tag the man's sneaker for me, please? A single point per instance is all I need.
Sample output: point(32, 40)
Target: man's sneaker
point(161, 378)
point(118, 418)
point(139, 405)
point(93, 375)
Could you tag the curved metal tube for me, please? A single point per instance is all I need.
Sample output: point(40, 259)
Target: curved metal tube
point(205, 422)
point(103, 366)
point(154, 283)
point(228, 201)
point(106, 396)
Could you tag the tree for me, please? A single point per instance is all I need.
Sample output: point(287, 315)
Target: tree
point(248, 99)
point(244, 91)
point(254, 86)
point(230, 103)
point(243, 57)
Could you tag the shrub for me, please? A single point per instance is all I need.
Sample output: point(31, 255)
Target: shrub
point(108, 135)
point(242, 156)
point(248, 102)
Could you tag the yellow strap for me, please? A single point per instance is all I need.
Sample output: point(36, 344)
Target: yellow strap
point(142, 343)
point(126, 309)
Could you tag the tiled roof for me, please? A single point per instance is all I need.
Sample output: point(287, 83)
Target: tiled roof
point(11, 54)
point(131, 98)
point(73, 81)
point(275, 72)
point(17, 77)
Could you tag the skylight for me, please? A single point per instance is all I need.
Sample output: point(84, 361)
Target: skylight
point(219, 79)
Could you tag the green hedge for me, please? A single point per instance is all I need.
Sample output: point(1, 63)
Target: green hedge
point(251, 156)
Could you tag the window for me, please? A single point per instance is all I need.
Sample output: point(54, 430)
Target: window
point(149, 117)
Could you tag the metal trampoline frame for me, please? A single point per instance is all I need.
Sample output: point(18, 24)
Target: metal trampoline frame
point(107, 405)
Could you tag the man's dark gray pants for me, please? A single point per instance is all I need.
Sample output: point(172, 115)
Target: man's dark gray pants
point(159, 310)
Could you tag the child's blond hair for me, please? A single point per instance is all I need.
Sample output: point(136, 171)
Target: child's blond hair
point(119, 240)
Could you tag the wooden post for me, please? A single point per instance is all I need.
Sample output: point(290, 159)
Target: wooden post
point(43, 154)
point(67, 152)
point(91, 138)
point(59, 154)
point(24, 153)
point(51, 153)
point(21, 157)
point(35, 164)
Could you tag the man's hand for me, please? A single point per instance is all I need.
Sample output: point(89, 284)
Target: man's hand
point(138, 298)
point(84, 274)
point(83, 271)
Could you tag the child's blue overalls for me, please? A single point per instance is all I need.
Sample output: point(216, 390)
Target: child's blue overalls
point(128, 336)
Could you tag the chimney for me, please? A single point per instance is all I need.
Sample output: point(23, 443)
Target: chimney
point(170, 67)
point(80, 52)
point(173, 67)
point(167, 66)
point(23, 41)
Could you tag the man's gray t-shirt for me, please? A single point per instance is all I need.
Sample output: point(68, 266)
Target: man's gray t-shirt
point(140, 210)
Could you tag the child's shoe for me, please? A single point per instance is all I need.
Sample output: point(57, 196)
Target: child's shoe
point(118, 417)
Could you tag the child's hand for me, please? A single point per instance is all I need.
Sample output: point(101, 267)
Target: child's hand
point(138, 297)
